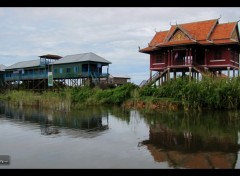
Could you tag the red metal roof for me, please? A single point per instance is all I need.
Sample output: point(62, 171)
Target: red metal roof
point(158, 38)
point(147, 49)
point(207, 32)
point(200, 30)
point(223, 31)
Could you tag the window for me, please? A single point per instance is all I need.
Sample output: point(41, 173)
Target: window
point(55, 71)
point(76, 69)
point(60, 70)
point(68, 70)
point(158, 58)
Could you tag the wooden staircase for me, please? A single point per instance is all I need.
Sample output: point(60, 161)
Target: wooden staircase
point(201, 69)
point(205, 73)
point(152, 79)
point(95, 79)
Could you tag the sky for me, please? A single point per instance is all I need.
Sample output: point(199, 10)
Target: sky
point(113, 33)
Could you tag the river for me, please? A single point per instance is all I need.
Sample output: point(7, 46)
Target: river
point(111, 137)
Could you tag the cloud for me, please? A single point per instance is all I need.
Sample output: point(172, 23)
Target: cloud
point(113, 33)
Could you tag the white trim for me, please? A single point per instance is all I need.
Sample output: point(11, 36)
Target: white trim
point(233, 39)
point(151, 68)
point(217, 60)
point(210, 66)
point(158, 63)
point(234, 62)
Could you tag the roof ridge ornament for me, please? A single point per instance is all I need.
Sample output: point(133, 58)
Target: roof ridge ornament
point(209, 40)
point(220, 17)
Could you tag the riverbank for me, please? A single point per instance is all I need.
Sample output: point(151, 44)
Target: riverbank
point(173, 95)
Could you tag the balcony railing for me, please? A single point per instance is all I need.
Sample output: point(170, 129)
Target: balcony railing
point(17, 77)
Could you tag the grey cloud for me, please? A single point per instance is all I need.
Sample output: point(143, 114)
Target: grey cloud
point(114, 33)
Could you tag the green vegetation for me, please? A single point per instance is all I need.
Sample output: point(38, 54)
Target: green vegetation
point(46, 99)
point(96, 96)
point(67, 98)
point(207, 93)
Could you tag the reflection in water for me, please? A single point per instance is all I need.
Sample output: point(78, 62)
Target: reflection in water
point(86, 123)
point(193, 140)
point(85, 140)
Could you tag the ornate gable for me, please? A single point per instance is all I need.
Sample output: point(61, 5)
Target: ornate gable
point(234, 35)
point(179, 35)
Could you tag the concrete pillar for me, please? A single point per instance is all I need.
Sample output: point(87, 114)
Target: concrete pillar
point(197, 76)
point(190, 73)
point(151, 75)
point(228, 68)
point(183, 73)
point(168, 74)
point(159, 80)
point(234, 73)
point(194, 74)
point(175, 74)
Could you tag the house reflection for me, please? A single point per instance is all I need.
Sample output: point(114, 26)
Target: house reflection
point(87, 123)
point(184, 149)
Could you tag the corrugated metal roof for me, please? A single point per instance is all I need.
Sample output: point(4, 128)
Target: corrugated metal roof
point(25, 64)
point(81, 58)
point(2, 67)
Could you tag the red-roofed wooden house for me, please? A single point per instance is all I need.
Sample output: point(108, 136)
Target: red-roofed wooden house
point(204, 47)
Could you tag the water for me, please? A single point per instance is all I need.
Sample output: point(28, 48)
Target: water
point(110, 137)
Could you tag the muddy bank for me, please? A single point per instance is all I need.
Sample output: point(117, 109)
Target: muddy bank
point(159, 105)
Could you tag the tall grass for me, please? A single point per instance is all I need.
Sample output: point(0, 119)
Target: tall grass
point(53, 100)
point(96, 96)
point(207, 93)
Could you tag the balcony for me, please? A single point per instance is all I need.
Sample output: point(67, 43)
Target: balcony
point(20, 77)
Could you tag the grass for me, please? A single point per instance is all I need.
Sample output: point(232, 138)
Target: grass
point(207, 93)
